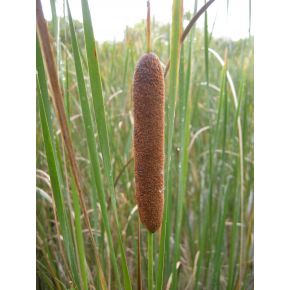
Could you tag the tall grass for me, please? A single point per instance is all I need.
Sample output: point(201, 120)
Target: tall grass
point(87, 221)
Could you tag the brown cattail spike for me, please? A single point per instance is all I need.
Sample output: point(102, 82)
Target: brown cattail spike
point(148, 97)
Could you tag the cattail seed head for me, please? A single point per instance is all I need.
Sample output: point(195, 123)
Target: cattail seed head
point(148, 98)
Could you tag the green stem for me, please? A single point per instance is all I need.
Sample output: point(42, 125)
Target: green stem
point(150, 237)
point(148, 30)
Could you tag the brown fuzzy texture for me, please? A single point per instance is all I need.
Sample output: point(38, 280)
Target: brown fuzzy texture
point(148, 97)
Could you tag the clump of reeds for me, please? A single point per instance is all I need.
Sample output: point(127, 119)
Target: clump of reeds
point(148, 97)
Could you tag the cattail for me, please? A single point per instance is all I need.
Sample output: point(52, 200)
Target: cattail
point(148, 97)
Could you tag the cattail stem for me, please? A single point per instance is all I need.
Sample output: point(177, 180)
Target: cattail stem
point(150, 237)
point(148, 30)
point(139, 257)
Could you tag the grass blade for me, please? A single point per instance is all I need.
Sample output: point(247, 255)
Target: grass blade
point(87, 116)
point(241, 151)
point(53, 78)
point(54, 166)
point(190, 25)
point(56, 188)
point(79, 238)
point(98, 101)
point(206, 48)
point(170, 116)
point(184, 123)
